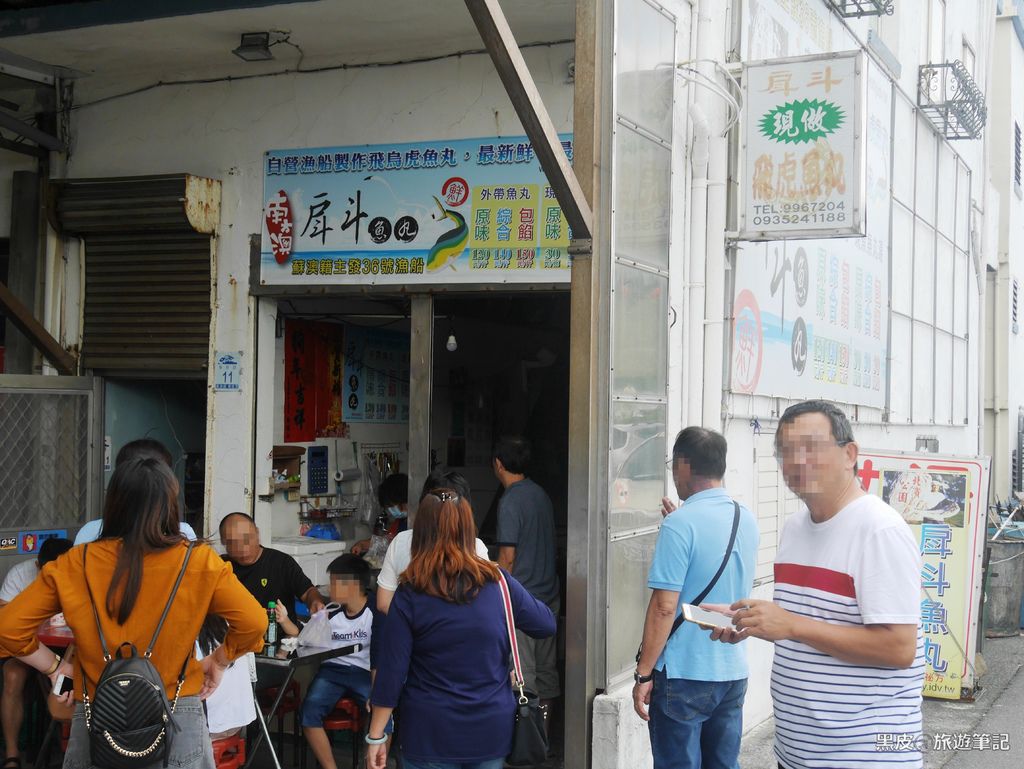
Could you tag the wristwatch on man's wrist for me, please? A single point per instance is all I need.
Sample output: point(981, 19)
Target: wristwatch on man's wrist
point(642, 679)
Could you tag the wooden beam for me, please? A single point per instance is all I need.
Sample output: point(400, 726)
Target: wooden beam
point(21, 128)
point(21, 316)
point(23, 149)
point(522, 91)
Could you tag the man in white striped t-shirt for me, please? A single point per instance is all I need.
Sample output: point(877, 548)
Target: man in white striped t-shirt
point(849, 664)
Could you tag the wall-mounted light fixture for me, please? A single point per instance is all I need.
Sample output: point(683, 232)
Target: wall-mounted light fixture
point(254, 46)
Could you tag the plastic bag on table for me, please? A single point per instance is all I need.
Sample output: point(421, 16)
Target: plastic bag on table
point(317, 632)
point(377, 550)
point(368, 506)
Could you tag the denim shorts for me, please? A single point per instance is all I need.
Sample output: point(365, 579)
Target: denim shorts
point(190, 749)
point(331, 683)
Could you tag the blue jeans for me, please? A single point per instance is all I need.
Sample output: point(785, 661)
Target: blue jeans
point(696, 724)
point(331, 683)
point(494, 763)
point(190, 749)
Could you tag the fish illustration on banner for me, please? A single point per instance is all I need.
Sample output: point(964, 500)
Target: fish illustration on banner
point(451, 243)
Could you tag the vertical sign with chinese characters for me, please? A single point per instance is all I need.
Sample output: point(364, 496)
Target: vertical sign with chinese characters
point(466, 211)
point(943, 499)
point(810, 316)
point(803, 158)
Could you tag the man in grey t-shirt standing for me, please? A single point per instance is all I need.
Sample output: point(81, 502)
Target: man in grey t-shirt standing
point(526, 549)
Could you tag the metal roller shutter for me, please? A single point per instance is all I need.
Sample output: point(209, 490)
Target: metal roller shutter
point(148, 263)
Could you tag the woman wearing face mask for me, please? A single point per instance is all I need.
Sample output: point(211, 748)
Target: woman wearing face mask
point(393, 494)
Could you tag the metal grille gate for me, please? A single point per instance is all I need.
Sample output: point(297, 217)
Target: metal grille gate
point(50, 451)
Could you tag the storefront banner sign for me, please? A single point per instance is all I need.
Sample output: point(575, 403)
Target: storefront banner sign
point(466, 211)
point(944, 499)
point(376, 380)
point(803, 153)
point(810, 317)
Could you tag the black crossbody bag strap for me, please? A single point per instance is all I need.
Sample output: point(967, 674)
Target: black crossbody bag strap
point(714, 580)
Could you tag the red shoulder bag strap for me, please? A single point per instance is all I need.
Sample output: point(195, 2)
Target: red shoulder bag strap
point(510, 627)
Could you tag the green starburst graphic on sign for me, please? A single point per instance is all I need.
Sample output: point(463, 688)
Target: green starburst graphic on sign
point(803, 120)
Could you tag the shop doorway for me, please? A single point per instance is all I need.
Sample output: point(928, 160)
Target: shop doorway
point(172, 411)
point(501, 367)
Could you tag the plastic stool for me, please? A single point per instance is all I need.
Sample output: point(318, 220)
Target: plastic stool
point(229, 752)
point(347, 716)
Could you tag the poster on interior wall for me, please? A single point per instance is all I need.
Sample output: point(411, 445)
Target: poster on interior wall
point(466, 211)
point(803, 150)
point(376, 376)
point(810, 317)
point(944, 500)
point(313, 359)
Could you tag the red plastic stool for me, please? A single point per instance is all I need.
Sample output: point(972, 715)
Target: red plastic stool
point(291, 702)
point(347, 716)
point(229, 752)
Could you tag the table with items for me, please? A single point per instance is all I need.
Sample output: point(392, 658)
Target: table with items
point(279, 658)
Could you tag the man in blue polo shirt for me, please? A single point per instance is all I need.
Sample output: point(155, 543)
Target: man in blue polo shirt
point(689, 688)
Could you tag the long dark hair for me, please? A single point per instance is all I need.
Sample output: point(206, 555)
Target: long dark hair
point(444, 561)
point(141, 509)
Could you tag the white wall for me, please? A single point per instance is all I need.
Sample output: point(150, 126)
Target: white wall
point(1003, 396)
point(221, 130)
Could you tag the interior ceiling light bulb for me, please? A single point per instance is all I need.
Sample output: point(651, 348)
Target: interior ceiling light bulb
point(451, 345)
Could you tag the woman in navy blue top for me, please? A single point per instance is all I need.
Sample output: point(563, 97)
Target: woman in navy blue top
point(444, 653)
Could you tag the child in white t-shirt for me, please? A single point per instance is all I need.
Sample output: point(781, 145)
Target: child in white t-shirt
point(356, 622)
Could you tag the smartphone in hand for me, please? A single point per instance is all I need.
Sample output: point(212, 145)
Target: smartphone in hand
point(708, 620)
point(63, 685)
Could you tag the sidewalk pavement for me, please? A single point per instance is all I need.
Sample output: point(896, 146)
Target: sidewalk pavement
point(997, 710)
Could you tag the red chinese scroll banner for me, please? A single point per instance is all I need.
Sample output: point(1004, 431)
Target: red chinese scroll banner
point(312, 363)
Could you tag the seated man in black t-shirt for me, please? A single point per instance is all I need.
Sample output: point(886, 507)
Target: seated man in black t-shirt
point(268, 574)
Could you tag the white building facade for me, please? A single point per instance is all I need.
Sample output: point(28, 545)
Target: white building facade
point(654, 102)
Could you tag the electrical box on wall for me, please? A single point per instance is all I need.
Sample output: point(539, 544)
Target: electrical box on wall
point(317, 475)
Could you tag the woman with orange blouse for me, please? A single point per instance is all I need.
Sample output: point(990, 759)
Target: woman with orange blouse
point(130, 572)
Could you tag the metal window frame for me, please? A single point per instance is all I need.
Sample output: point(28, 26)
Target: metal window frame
point(93, 388)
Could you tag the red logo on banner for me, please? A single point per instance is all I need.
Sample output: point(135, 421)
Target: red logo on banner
point(278, 214)
point(748, 342)
point(455, 191)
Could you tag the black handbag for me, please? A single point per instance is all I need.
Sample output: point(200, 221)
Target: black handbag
point(529, 734)
point(129, 720)
point(714, 580)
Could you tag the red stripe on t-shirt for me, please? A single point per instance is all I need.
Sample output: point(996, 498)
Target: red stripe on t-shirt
point(829, 581)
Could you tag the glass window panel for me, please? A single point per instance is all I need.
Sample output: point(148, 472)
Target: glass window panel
point(944, 378)
point(924, 201)
point(962, 283)
point(637, 465)
point(903, 165)
point(640, 343)
point(944, 279)
point(947, 198)
point(642, 198)
point(645, 66)
point(902, 258)
point(923, 374)
point(959, 381)
point(629, 561)
point(924, 273)
point(899, 375)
